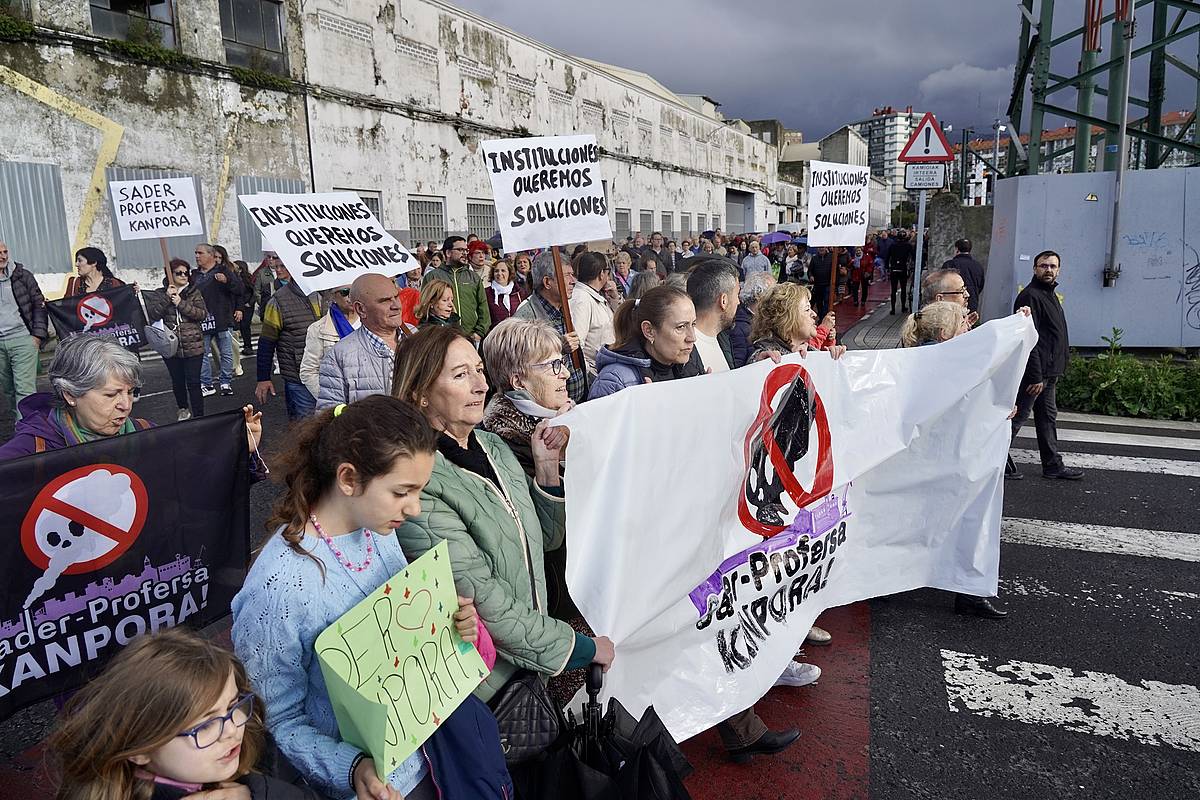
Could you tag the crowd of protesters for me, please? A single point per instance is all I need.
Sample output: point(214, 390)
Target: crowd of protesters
point(420, 407)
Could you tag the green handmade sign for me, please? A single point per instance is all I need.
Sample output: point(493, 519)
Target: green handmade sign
point(395, 666)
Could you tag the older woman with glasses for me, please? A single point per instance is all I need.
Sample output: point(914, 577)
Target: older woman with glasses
point(526, 367)
point(180, 307)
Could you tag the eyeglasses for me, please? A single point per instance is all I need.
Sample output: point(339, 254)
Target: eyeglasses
point(181, 274)
point(208, 733)
point(963, 292)
point(556, 365)
point(458, 249)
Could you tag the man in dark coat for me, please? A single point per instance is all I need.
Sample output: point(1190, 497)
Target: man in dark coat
point(900, 268)
point(1047, 363)
point(971, 271)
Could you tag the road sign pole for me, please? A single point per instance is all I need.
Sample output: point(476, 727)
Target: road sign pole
point(916, 290)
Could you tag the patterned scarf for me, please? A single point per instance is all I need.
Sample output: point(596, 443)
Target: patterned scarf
point(74, 433)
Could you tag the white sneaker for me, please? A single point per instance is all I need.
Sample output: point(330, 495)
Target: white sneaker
point(797, 674)
point(207, 391)
point(184, 414)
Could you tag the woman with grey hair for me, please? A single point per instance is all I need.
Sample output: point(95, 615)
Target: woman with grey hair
point(93, 379)
point(525, 364)
point(756, 285)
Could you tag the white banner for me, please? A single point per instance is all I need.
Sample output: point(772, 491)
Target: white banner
point(839, 204)
point(547, 191)
point(156, 208)
point(326, 240)
point(712, 519)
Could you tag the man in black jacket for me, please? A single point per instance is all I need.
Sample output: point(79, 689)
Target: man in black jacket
point(1047, 363)
point(970, 269)
point(900, 270)
point(221, 288)
point(22, 330)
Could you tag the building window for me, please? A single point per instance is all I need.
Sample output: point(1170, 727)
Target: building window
point(140, 21)
point(622, 224)
point(253, 34)
point(668, 223)
point(646, 222)
point(427, 219)
point(716, 222)
point(481, 218)
point(701, 223)
point(685, 224)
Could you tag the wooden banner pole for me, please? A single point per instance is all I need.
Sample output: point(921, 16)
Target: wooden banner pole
point(833, 279)
point(162, 243)
point(576, 355)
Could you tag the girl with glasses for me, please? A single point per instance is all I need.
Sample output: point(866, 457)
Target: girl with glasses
point(172, 715)
point(180, 307)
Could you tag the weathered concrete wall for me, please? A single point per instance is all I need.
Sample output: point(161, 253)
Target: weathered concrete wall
point(169, 120)
point(949, 221)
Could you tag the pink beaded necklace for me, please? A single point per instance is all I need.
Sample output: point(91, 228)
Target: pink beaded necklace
point(345, 562)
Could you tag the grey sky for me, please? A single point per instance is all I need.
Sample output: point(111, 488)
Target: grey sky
point(816, 64)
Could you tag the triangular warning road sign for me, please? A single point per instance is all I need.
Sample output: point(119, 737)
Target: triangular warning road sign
point(927, 143)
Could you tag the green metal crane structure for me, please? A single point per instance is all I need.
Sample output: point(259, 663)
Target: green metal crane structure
point(1172, 21)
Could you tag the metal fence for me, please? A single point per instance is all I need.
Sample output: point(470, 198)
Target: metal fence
point(33, 217)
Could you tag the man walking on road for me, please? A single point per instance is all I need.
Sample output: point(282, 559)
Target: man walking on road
point(970, 270)
point(755, 261)
point(899, 266)
point(470, 295)
point(22, 330)
point(286, 320)
point(221, 289)
point(1047, 363)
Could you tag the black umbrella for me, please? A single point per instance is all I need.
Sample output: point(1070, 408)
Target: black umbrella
point(609, 754)
point(496, 241)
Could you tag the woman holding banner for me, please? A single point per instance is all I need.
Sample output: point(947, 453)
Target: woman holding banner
point(92, 273)
point(498, 523)
point(351, 472)
point(93, 378)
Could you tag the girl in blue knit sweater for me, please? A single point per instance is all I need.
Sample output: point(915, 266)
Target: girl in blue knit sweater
point(353, 474)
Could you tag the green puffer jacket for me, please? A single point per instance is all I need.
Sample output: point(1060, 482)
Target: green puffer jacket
point(492, 544)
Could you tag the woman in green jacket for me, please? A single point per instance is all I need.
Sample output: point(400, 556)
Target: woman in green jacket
point(496, 522)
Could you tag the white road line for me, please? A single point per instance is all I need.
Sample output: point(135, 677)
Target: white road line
point(1108, 437)
point(1086, 461)
point(1128, 422)
point(1122, 600)
point(1096, 703)
point(1102, 539)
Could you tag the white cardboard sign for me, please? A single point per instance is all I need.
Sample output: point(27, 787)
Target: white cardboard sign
point(839, 203)
point(328, 239)
point(156, 208)
point(547, 191)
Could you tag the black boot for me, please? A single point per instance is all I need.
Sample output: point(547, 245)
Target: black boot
point(977, 606)
point(768, 744)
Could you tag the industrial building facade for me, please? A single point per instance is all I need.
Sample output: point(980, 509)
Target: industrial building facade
point(386, 100)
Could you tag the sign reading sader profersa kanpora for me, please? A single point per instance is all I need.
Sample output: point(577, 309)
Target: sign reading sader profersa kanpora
point(326, 240)
point(548, 190)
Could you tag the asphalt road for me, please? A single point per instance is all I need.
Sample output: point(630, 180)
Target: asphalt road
point(1087, 690)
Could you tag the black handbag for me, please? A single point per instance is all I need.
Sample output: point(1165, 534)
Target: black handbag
point(528, 720)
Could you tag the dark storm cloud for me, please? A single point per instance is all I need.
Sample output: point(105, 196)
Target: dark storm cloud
point(814, 64)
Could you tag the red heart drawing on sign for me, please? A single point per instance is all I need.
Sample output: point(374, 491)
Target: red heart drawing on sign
point(411, 615)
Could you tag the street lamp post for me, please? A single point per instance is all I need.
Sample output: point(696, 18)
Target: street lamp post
point(998, 128)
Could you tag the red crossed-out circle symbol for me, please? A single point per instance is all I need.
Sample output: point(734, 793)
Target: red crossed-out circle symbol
point(94, 311)
point(116, 535)
point(823, 479)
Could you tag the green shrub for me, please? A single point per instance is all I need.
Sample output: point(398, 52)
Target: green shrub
point(1117, 383)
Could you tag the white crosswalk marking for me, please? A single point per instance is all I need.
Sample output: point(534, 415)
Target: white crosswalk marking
point(1086, 461)
point(1096, 703)
point(1127, 422)
point(1111, 437)
point(1120, 599)
point(1102, 539)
